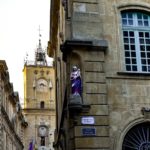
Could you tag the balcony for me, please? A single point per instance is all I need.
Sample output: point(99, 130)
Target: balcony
point(33, 63)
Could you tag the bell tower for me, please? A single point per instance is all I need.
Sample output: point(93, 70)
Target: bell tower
point(40, 56)
point(39, 100)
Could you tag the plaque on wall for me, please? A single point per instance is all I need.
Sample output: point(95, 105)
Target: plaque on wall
point(89, 131)
point(88, 120)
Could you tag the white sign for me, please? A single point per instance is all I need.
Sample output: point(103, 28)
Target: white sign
point(88, 120)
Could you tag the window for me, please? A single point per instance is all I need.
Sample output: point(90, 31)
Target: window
point(42, 141)
point(42, 104)
point(136, 40)
point(138, 138)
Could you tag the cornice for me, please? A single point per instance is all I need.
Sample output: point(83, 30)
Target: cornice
point(3, 66)
point(93, 45)
point(55, 7)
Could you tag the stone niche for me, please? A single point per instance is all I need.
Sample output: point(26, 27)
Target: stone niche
point(75, 101)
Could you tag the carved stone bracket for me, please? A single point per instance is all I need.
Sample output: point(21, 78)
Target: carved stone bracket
point(76, 105)
point(146, 112)
point(69, 45)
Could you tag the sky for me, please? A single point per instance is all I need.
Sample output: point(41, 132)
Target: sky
point(19, 34)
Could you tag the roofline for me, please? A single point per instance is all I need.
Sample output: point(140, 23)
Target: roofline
point(3, 65)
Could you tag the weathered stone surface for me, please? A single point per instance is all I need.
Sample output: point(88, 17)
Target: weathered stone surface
point(94, 66)
point(95, 77)
point(89, 17)
point(94, 142)
point(95, 99)
point(94, 56)
point(95, 88)
point(81, 30)
point(99, 110)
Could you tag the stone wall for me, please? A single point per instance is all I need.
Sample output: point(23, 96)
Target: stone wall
point(113, 95)
point(11, 118)
point(116, 97)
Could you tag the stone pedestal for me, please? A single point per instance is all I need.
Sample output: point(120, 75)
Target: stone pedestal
point(75, 103)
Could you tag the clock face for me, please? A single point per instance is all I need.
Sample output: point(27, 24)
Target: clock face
point(42, 131)
point(42, 85)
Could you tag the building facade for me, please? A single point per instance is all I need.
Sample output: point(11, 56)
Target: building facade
point(12, 120)
point(109, 42)
point(39, 102)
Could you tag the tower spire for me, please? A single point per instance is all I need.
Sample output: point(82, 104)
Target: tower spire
point(39, 31)
point(40, 57)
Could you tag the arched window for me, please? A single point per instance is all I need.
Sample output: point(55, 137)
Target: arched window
point(138, 138)
point(136, 41)
point(42, 104)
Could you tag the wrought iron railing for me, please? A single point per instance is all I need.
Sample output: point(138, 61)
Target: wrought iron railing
point(34, 63)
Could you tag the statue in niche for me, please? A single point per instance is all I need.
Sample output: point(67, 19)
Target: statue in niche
point(75, 81)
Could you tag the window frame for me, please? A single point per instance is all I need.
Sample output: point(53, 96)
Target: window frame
point(43, 142)
point(136, 29)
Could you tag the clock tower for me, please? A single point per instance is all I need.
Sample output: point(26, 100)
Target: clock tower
point(39, 101)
